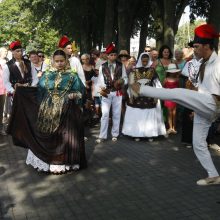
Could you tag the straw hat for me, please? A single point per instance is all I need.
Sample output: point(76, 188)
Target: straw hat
point(124, 53)
point(172, 68)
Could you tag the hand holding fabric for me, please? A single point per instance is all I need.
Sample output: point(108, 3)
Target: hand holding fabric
point(104, 92)
point(136, 88)
point(75, 95)
point(118, 84)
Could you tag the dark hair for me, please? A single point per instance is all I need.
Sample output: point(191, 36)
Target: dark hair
point(59, 52)
point(162, 49)
point(145, 56)
point(95, 52)
point(212, 46)
point(33, 52)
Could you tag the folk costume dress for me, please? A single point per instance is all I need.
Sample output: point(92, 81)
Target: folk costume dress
point(143, 116)
point(49, 124)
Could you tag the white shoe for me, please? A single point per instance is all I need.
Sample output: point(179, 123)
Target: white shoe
point(3, 133)
point(86, 139)
point(214, 147)
point(137, 139)
point(150, 139)
point(188, 146)
point(166, 135)
point(114, 139)
point(99, 140)
point(209, 181)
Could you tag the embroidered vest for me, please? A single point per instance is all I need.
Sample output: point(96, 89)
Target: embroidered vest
point(15, 74)
point(107, 75)
point(142, 101)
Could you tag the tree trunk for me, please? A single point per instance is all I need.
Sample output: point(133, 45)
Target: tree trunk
point(85, 30)
point(143, 36)
point(169, 23)
point(214, 18)
point(168, 18)
point(86, 40)
point(126, 13)
point(110, 16)
point(123, 25)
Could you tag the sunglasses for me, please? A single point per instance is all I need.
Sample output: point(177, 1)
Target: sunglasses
point(42, 56)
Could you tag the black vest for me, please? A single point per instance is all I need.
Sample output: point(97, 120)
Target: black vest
point(107, 75)
point(15, 74)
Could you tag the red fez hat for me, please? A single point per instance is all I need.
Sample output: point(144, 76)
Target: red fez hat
point(15, 45)
point(111, 48)
point(64, 41)
point(205, 34)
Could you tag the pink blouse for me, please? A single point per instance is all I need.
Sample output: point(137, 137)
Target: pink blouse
point(2, 88)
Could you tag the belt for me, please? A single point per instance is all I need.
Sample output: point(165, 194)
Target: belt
point(217, 97)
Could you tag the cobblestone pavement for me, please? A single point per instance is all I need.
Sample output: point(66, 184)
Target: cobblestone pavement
point(126, 180)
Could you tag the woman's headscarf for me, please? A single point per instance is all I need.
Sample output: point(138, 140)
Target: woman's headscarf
point(139, 63)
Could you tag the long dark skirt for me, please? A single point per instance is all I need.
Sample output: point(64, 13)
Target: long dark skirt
point(187, 126)
point(64, 146)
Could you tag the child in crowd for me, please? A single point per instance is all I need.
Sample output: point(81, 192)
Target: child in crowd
point(171, 81)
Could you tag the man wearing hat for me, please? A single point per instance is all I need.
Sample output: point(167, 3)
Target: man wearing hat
point(75, 64)
point(205, 102)
point(18, 71)
point(111, 79)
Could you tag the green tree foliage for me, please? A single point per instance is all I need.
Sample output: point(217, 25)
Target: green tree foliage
point(82, 21)
point(21, 24)
point(90, 23)
point(185, 33)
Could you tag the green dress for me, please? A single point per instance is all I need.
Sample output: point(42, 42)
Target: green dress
point(161, 71)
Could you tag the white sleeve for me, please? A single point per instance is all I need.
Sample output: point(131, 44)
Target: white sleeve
point(100, 80)
point(124, 75)
point(44, 67)
point(185, 71)
point(34, 76)
point(76, 65)
point(130, 82)
point(158, 83)
point(6, 82)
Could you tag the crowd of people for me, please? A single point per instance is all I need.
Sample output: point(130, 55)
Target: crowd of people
point(46, 104)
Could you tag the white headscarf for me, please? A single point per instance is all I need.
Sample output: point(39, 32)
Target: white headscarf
point(139, 63)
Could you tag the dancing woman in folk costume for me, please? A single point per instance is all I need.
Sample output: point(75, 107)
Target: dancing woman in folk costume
point(53, 129)
point(205, 102)
point(143, 116)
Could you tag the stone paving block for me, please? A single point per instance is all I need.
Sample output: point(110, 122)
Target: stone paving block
point(127, 180)
point(20, 217)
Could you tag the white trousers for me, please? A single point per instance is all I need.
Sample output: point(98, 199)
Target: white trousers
point(115, 102)
point(205, 110)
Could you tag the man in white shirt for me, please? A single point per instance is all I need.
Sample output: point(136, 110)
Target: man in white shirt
point(205, 102)
point(37, 65)
point(112, 77)
point(18, 71)
point(75, 64)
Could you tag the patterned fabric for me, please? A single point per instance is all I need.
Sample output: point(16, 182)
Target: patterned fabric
point(63, 146)
point(148, 75)
point(107, 75)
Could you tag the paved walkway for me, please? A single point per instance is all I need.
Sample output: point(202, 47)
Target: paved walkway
point(126, 180)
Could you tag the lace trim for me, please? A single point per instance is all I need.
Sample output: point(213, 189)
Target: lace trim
point(37, 163)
